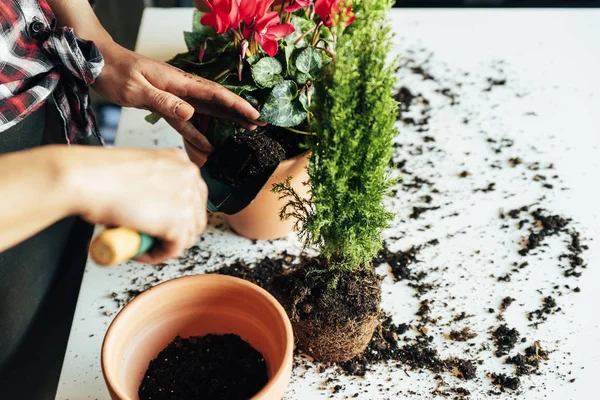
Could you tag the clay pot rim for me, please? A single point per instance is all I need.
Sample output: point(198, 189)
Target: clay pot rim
point(122, 314)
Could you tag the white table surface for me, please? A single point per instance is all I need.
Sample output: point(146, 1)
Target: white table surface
point(551, 60)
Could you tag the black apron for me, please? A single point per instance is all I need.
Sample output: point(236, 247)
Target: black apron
point(39, 284)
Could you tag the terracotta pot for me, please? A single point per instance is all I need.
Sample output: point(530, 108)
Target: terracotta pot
point(195, 306)
point(260, 220)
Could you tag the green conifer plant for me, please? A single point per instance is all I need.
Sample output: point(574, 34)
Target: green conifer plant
point(334, 300)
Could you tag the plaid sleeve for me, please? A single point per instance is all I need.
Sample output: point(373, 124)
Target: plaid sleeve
point(42, 61)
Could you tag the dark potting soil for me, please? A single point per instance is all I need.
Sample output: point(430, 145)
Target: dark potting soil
point(529, 362)
point(505, 339)
point(222, 367)
point(417, 211)
point(462, 335)
point(545, 225)
point(311, 297)
point(245, 157)
point(418, 353)
point(540, 315)
point(292, 143)
point(504, 381)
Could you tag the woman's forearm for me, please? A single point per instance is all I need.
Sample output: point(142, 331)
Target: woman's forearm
point(34, 193)
point(79, 15)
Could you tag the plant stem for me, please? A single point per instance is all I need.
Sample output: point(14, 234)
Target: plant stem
point(328, 51)
point(300, 132)
point(304, 35)
point(317, 34)
point(228, 70)
point(282, 10)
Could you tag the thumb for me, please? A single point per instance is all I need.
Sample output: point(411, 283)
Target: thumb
point(167, 105)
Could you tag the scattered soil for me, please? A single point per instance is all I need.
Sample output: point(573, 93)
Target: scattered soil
point(407, 100)
point(211, 366)
point(462, 335)
point(417, 211)
point(540, 315)
point(515, 161)
point(546, 225)
point(245, 157)
point(263, 275)
point(493, 82)
point(489, 188)
point(504, 381)
point(507, 301)
point(417, 354)
point(573, 255)
point(505, 339)
point(399, 262)
point(529, 362)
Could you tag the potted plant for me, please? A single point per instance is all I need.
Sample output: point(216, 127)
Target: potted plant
point(273, 55)
point(191, 337)
point(334, 300)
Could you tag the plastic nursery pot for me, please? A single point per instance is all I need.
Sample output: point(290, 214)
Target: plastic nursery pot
point(196, 305)
point(260, 220)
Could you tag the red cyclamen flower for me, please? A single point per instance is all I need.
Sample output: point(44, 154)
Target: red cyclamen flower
point(225, 15)
point(267, 31)
point(295, 5)
point(329, 9)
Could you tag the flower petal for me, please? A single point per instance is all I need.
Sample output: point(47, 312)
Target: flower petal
point(247, 10)
point(269, 45)
point(209, 4)
point(209, 20)
point(293, 8)
point(281, 30)
point(263, 6)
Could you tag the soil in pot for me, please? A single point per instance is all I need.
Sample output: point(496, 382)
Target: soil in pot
point(223, 367)
point(249, 155)
point(331, 324)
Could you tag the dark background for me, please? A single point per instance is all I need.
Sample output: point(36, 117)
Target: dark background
point(122, 19)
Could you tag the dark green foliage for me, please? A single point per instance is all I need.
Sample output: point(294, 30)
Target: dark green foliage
point(355, 115)
point(279, 87)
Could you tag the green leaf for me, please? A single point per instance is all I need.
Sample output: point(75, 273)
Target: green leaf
point(303, 98)
point(253, 59)
point(197, 26)
point(193, 40)
point(302, 78)
point(266, 72)
point(309, 61)
point(326, 34)
point(251, 99)
point(301, 25)
point(289, 52)
point(282, 107)
point(218, 131)
point(152, 118)
point(240, 89)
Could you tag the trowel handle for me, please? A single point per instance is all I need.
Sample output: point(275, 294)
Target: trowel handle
point(114, 246)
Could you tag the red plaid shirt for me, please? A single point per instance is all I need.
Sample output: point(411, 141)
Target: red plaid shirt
point(37, 61)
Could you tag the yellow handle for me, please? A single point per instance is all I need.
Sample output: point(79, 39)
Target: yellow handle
point(114, 246)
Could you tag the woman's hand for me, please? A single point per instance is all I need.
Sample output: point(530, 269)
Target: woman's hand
point(132, 80)
point(157, 192)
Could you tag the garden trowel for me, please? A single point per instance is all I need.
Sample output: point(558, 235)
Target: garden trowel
point(114, 246)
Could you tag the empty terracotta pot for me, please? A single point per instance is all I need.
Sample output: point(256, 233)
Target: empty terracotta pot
point(260, 220)
point(195, 306)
